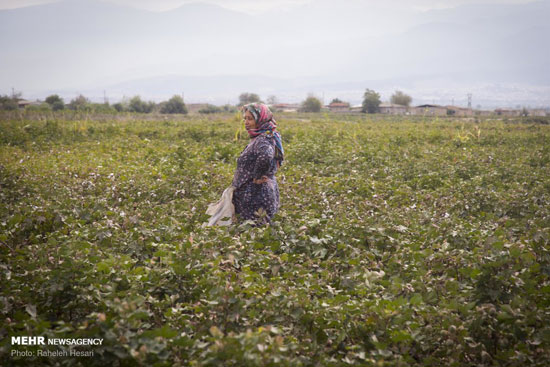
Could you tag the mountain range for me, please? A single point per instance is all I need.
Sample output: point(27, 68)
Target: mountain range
point(497, 52)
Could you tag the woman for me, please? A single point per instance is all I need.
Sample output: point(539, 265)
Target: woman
point(256, 195)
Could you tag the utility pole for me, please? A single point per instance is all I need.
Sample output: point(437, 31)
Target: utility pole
point(470, 101)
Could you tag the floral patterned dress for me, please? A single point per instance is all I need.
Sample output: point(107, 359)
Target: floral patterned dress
point(258, 202)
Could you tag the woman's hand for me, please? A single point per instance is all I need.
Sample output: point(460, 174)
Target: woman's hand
point(261, 180)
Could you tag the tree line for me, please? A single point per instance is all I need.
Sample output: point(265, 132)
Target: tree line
point(80, 103)
point(371, 101)
point(176, 105)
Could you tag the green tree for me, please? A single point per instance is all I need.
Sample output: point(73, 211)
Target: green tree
point(336, 100)
point(140, 106)
point(55, 102)
point(311, 104)
point(102, 108)
point(174, 105)
point(371, 101)
point(119, 107)
point(246, 98)
point(79, 103)
point(8, 103)
point(229, 108)
point(401, 98)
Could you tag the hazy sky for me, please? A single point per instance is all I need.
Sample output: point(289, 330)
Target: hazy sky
point(334, 49)
point(254, 6)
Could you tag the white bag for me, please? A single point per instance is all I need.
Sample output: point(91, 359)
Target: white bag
point(222, 209)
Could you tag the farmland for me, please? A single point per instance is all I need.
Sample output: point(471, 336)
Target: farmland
point(399, 242)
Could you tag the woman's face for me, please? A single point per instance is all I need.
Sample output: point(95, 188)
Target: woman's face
point(249, 122)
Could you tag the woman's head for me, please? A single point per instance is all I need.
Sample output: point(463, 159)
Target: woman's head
point(258, 113)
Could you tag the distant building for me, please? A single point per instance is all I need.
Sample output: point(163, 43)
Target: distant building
point(358, 108)
point(339, 107)
point(459, 111)
point(536, 112)
point(22, 103)
point(507, 112)
point(285, 107)
point(483, 113)
point(393, 109)
point(429, 110)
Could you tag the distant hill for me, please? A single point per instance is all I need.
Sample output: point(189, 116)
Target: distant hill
point(88, 45)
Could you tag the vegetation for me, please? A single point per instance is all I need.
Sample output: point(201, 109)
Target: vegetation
point(119, 107)
point(311, 104)
point(401, 98)
point(8, 103)
point(102, 108)
point(55, 102)
point(139, 106)
point(41, 108)
point(398, 243)
point(371, 101)
point(174, 105)
point(210, 109)
point(271, 100)
point(229, 108)
point(246, 98)
point(80, 103)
